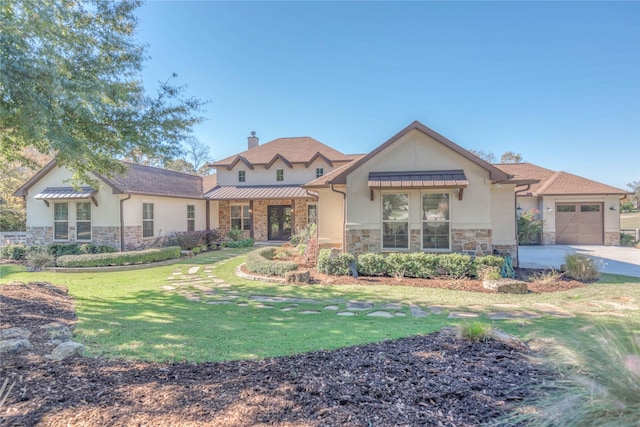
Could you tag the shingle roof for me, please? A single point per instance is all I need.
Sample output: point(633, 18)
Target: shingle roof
point(418, 179)
point(324, 180)
point(293, 150)
point(556, 183)
point(256, 192)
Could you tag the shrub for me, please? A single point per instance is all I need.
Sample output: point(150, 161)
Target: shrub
point(15, 252)
point(481, 262)
point(187, 240)
point(530, 227)
point(488, 273)
point(475, 331)
point(96, 249)
point(235, 234)
point(627, 240)
point(580, 267)
point(243, 243)
point(336, 264)
point(454, 265)
point(304, 235)
point(421, 265)
point(119, 258)
point(371, 264)
point(38, 259)
point(261, 261)
point(396, 264)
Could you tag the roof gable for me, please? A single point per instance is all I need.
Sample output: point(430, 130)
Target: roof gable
point(496, 174)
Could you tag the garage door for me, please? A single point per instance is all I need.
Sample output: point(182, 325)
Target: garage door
point(579, 224)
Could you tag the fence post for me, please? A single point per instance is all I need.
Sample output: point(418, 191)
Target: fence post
point(637, 234)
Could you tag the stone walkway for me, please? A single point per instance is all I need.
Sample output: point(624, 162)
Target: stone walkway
point(199, 284)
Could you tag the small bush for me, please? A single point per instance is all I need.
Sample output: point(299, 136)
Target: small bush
point(396, 264)
point(334, 264)
point(421, 265)
point(546, 277)
point(530, 227)
point(261, 261)
point(38, 259)
point(15, 252)
point(188, 240)
point(235, 234)
point(580, 267)
point(60, 249)
point(95, 249)
point(627, 240)
point(488, 273)
point(475, 331)
point(119, 258)
point(371, 264)
point(481, 262)
point(243, 243)
point(454, 265)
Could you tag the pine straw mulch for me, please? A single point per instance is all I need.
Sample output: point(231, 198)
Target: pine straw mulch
point(435, 379)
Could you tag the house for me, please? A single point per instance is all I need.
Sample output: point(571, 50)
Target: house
point(575, 210)
point(127, 211)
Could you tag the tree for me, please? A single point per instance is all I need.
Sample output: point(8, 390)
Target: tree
point(180, 165)
point(487, 156)
point(511, 157)
point(635, 189)
point(196, 152)
point(71, 86)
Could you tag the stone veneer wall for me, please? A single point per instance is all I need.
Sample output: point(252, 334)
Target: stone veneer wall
point(224, 218)
point(133, 238)
point(611, 238)
point(471, 241)
point(549, 238)
point(39, 235)
point(99, 236)
point(106, 236)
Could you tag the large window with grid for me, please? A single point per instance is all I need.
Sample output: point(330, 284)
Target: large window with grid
point(191, 217)
point(395, 221)
point(83, 221)
point(240, 218)
point(147, 220)
point(61, 221)
point(436, 225)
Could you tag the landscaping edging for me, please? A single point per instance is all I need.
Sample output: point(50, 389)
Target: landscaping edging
point(246, 276)
point(113, 267)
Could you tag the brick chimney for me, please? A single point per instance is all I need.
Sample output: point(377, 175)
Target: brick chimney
point(253, 140)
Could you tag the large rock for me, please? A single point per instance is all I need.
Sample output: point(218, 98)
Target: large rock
point(14, 345)
point(6, 334)
point(297, 277)
point(65, 350)
point(57, 331)
point(508, 286)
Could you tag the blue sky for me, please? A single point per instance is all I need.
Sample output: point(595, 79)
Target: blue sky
point(558, 82)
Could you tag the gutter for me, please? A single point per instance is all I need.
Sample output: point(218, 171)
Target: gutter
point(344, 216)
point(122, 222)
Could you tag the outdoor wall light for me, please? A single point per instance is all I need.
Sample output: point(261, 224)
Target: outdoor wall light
point(549, 209)
point(612, 208)
point(518, 208)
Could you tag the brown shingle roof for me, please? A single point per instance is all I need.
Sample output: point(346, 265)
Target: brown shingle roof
point(324, 180)
point(294, 150)
point(556, 183)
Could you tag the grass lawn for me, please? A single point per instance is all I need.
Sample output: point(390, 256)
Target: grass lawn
point(630, 221)
point(128, 314)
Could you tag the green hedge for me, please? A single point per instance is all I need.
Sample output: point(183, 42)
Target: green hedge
point(372, 264)
point(261, 261)
point(19, 252)
point(336, 265)
point(15, 252)
point(119, 258)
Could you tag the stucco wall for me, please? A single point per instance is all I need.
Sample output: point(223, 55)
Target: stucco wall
point(260, 175)
point(330, 217)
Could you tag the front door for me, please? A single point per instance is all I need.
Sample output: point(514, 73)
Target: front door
point(279, 222)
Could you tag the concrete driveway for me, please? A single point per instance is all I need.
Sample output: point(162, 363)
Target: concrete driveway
point(610, 259)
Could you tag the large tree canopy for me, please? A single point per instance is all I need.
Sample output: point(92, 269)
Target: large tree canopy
point(70, 85)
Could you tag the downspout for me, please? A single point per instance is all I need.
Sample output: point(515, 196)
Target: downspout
point(122, 222)
point(515, 202)
point(344, 216)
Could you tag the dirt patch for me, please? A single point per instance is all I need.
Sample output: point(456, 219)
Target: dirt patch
point(435, 379)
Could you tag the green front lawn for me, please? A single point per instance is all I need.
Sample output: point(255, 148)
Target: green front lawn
point(128, 314)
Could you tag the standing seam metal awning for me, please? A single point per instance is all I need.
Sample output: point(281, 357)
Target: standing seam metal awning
point(254, 192)
point(418, 179)
point(66, 193)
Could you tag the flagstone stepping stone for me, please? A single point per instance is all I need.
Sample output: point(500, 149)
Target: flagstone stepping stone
point(462, 315)
point(476, 307)
point(417, 311)
point(391, 306)
point(217, 280)
point(229, 297)
point(193, 299)
point(177, 273)
point(619, 306)
point(202, 288)
point(172, 278)
point(291, 307)
point(168, 288)
point(223, 286)
point(506, 305)
point(400, 314)
point(309, 312)
point(262, 298)
point(345, 313)
point(332, 307)
point(263, 306)
point(508, 315)
point(380, 314)
point(218, 302)
point(359, 305)
point(193, 270)
point(233, 292)
point(552, 310)
point(243, 304)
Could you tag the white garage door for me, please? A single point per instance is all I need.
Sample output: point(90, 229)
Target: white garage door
point(579, 224)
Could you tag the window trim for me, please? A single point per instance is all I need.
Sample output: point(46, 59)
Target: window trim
point(60, 221)
point(279, 175)
point(319, 172)
point(191, 217)
point(423, 221)
point(244, 221)
point(382, 221)
point(315, 207)
point(78, 221)
point(148, 220)
point(242, 176)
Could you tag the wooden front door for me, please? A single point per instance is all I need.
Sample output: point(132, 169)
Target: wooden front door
point(279, 222)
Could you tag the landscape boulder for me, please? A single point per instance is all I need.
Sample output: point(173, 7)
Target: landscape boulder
point(57, 331)
point(65, 350)
point(6, 334)
point(14, 345)
point(297, 277)
point(508, 286)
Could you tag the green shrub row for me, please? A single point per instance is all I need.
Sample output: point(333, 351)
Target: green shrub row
point(21, 252)
point(423, 265)
point(261, 261)
point(243, 243)
point(336, 264)
point(119, 258)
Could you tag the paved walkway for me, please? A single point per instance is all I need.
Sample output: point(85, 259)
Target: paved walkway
point(199, 284)
point(610, 259)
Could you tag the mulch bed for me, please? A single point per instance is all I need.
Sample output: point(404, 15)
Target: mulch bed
point(435, 379)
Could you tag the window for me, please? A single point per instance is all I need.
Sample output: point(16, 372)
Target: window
point(83, 221)
point(395, 221)
point(566, 208)
point(240, 217)
point(61, 221)
point(191, 217)
point(319, 172)
point(241, 176)
point(435, 221)
point(280, 175)
point(589, 208)
point(312, 214)
point(147, 220)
